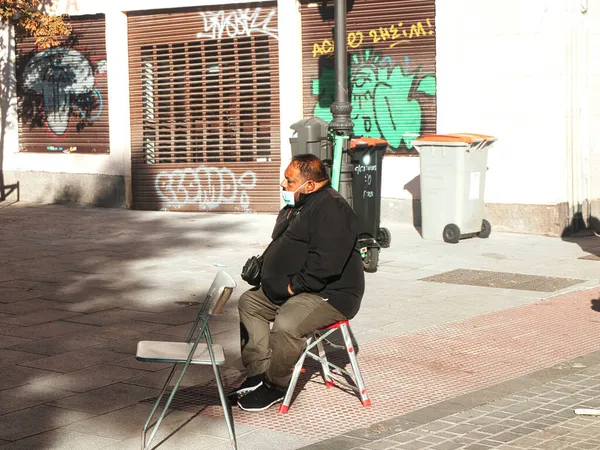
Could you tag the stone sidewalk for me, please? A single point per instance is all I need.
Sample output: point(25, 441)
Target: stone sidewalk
point(540, 417)
point(446, 334)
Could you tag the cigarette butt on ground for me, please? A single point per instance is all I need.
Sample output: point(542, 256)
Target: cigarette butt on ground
point(587, 412)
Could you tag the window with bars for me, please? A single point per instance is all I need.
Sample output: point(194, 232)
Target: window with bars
point(207, 101)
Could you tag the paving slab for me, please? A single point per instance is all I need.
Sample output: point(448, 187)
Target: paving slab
point(31, 421)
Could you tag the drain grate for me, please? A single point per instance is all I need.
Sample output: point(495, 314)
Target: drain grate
point(503, 280)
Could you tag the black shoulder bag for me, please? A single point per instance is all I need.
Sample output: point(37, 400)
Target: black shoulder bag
point(253, 267)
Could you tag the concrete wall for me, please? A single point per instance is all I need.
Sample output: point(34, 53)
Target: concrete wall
point(593, 106)
point(54, 170)
point(50, 174)
point(507, 69)
point(521, 71)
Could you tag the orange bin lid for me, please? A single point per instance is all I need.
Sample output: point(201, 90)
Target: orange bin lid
point(485, 137)
point(457, 138)
point(454, 138)
point(367, 141)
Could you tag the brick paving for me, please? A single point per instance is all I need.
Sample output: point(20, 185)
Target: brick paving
point(409, 372)
point(537, 418)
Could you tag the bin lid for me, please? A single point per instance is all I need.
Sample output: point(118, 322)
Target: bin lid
point(447, 138)
point(360, 141)
point(455, 139)
point(485, 137)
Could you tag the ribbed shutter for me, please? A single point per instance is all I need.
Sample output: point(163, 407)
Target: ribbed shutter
point(205, 110)
point(391, 59)
point(63, 92)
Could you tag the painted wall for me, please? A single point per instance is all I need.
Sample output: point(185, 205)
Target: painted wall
point(118, 162)
point(501, 71)
point(593, 98)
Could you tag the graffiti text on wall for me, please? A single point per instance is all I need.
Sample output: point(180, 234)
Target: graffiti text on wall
point(207, 187)
point(392, 35)
point(382, 98)
point(241, 22)
point(65, 79)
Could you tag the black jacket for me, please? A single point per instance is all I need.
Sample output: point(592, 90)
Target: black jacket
point(316, 253)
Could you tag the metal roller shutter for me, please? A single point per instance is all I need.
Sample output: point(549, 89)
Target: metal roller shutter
point(391, 60)
point(204, 94)
point(63, 92)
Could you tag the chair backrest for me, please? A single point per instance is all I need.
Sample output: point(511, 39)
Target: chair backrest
point(219, 293)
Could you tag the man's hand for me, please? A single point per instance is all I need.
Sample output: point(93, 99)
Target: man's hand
point(290, 291)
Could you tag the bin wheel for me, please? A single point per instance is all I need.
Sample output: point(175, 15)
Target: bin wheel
point(371, 260)
point(384, 237)
point(451, 233)
point(486, 229)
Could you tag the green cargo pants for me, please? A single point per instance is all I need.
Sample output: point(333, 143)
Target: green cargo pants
point(274, 351)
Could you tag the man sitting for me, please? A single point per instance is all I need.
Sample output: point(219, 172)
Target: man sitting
point(312, 277)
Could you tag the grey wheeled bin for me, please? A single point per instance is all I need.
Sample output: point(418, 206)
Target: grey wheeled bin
point(453, 169)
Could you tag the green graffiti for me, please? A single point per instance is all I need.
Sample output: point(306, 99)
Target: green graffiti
point(382, 98)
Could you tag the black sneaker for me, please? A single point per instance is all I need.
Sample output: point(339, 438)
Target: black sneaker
point(249, 384)
point(262, 398)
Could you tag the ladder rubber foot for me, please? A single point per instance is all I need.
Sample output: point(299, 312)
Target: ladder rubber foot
point(329, 384)
point(366, 402)
point(283, 409)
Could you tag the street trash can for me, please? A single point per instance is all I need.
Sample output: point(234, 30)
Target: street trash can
point(366, 155)
point(453, 169)
point(311, 135)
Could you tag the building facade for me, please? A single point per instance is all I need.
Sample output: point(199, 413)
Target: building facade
point(189, 108)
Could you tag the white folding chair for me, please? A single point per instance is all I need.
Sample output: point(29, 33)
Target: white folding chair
point(316, 339)
point(192, 351)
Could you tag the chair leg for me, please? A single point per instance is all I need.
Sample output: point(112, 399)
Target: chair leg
point(166, 407)
point(156, 403)
point(285, 405)
point(323, 359)
point(222, 396)
point(364, 398)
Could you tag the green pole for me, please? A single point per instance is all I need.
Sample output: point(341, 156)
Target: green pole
point(338, 151)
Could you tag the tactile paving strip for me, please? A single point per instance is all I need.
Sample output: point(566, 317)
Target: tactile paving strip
point(408, 372)
point(503, 280)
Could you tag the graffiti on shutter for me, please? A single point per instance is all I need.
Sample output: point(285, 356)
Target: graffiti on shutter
point(63, 93)
point(391, 71)
point(205, 109)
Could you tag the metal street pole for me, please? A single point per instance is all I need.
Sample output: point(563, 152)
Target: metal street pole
point(341, 126)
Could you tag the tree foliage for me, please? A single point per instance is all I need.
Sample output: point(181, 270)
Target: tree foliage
point(30, 18)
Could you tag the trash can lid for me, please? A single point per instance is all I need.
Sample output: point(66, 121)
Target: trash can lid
point(447, 138)
point(485, 137)
point(360, 141)
point(456, 140)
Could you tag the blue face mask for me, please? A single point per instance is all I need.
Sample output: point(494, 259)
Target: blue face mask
point(289, 197)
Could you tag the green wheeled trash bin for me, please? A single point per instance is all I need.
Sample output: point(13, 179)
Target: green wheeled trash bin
point(453, 169)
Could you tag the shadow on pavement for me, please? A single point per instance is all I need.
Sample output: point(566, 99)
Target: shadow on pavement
point(585, 234)
point(79, 287)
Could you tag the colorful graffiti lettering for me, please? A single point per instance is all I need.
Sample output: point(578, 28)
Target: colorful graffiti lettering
point(241, 22)
point(381, 97)
point(64, 78)
point(208, 187)
point(393, 34)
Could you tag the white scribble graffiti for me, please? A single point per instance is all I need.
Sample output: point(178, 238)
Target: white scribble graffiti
point(241, 22)
point(208, 187)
